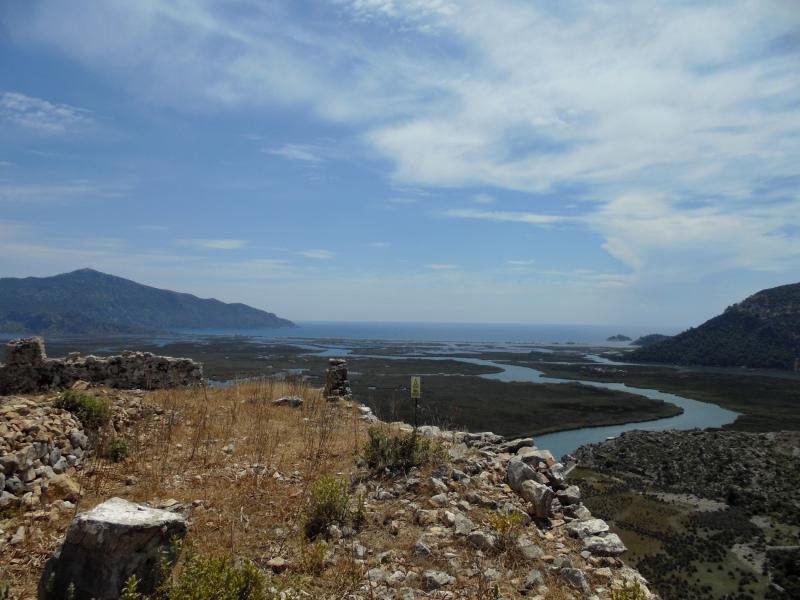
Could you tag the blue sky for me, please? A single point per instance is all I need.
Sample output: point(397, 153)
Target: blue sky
point(426, 160)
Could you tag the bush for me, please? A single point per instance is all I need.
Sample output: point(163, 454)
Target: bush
point(508, 526)
point(118, 449)
point(630, 591)
point(312, 556)
point(401, 452)
point(91, 411)
point(206, 576)
point(328, 504)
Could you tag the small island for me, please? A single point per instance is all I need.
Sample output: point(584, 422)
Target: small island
point(618, 338)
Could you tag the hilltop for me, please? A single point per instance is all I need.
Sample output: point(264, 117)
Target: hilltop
point(90, 302)
point(310, 498)
point(762, 331)
point(650, 339)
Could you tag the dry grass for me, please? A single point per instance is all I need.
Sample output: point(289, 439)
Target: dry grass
point(245, 468)
point(243, 463)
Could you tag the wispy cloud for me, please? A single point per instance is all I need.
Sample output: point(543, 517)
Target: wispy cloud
point(658, 237)
point(57, 193)
point(521, 263)
point(301, 152)
point(483, 199)
point(379, 244)
point(506, 216)
point(441, 266)
point(213, 244)
point(40, 115)
point(319, 254)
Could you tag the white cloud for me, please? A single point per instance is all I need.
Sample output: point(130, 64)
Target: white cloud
point(503, 216)
point(302, 152)
point(213, 244)
point(441, 266)
point(319, 254)
point(40, 115)
point(57, 193)
point(658, 238)
point(523, 96)
point(483, 199)
point(521, 263)
point(379, 244)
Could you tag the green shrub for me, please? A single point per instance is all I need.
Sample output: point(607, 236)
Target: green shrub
point(91, 411)
point(213, 577)
point(401, 452)
point(118, 449)
point(312, 556)
point(630, 591)
point(131, 590)
point(508, 526)
point(328, 504)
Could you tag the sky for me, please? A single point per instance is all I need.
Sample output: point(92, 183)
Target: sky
point(420, 160)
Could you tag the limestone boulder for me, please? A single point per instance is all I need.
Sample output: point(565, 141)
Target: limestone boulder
point(539, 496)
point(108, 544)
point(518, 472)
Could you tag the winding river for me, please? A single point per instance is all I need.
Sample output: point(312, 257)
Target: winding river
point(695, 414)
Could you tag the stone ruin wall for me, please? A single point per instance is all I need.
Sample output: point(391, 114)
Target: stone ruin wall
point(28, 370)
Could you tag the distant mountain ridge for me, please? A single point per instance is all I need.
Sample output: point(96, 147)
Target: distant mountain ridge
point(90, 302)
point(650, 339)
point(762, 331)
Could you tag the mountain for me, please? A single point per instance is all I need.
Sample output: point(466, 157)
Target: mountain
point(761, 331)
point(90, 302)
point(650, 339)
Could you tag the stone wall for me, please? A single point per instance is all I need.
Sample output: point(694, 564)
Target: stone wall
point(28, 370)
point(337, 384)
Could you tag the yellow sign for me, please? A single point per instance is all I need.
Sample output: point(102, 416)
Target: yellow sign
point(416, 387)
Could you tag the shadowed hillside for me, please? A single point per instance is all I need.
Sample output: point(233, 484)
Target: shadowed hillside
point(762, 331)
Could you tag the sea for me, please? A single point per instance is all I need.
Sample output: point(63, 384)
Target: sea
point(451, 332)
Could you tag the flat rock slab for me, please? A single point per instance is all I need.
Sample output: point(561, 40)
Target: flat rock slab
point(607, 545)
point(587, 528)
point(108, 544)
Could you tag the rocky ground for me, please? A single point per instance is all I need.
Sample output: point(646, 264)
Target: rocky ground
point(489, 519)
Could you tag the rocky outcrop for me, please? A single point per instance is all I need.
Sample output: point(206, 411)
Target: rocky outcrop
point(522, 487)
point(28, 370)
point(108, 544)
point(42, 447)
point(337, 384)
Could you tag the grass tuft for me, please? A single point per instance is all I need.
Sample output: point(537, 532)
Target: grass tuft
point(401, 452)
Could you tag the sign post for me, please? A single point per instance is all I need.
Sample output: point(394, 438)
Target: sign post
point(416, 394)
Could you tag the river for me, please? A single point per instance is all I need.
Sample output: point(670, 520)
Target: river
point(695, 414)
